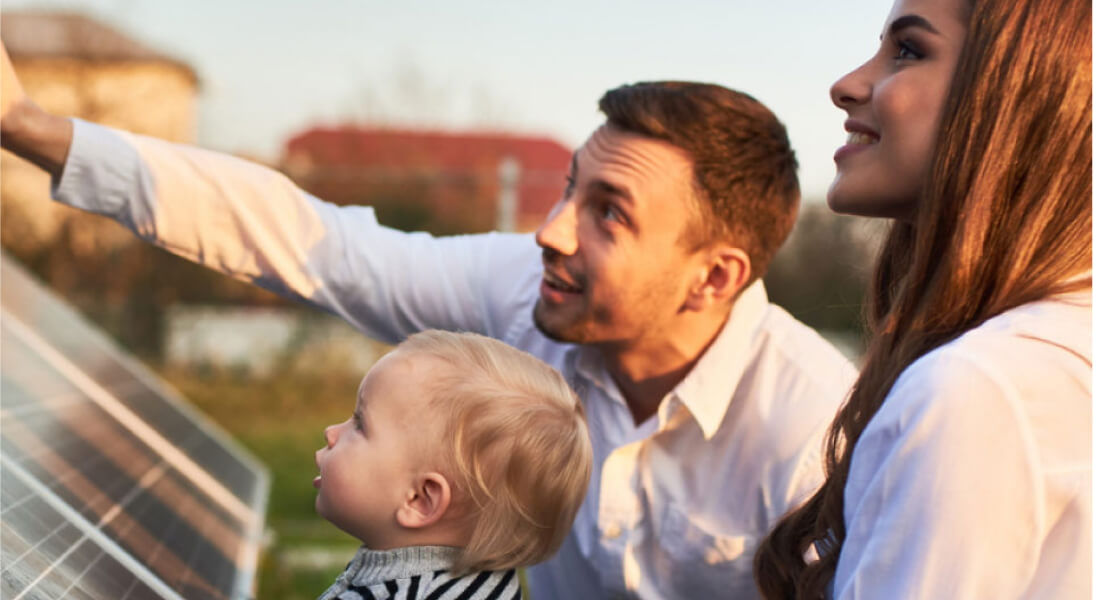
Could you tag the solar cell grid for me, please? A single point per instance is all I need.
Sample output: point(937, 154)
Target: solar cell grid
point(105, 491)
point(115, 481)
point(100, 360)
point(47, 556)
point(19, 335)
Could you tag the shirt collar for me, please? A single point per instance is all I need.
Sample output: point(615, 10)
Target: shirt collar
point(710, 387)
point(369, 567)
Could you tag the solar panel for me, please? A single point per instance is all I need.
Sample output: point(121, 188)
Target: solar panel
point(112, 486)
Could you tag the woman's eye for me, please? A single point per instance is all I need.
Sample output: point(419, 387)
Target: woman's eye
point(907, 51)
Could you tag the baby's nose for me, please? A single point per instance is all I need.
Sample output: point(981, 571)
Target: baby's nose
point(331, 435)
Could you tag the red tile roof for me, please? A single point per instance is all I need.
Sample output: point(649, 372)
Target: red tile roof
point(357, 146)
point(360, 154)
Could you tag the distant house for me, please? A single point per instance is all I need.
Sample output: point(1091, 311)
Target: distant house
point(75, 66)
point(436, 181)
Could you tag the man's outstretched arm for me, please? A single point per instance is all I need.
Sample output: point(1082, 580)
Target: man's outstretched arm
point(26, 129)
point(254, 224)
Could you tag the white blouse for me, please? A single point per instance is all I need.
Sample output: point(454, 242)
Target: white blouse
point(973, 479)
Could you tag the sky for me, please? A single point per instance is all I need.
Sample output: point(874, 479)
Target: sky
point(272, 68)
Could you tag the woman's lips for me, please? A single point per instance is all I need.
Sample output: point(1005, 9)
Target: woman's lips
point(856, 141)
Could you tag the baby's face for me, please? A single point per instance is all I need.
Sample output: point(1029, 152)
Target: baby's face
point(370, 460)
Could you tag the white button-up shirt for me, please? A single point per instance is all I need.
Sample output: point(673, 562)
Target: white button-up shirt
point(973, 479)
point(676, 504)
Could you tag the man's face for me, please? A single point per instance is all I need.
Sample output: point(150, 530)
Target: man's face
point(372, 457)
point(615, 269)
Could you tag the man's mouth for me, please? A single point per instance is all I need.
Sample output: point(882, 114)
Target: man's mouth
point(557, 283)
point(317, 482)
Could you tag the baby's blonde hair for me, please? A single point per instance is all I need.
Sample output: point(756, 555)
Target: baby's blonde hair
point(520, 451)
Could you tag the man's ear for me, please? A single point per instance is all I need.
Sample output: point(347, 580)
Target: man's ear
point(426, 502)
point(726, 271)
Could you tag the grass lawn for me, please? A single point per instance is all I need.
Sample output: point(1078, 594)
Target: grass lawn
point(281, 420)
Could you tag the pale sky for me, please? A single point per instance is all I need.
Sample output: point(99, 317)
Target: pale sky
point(272, 68)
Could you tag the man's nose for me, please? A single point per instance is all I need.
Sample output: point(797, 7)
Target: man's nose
point(559, 232)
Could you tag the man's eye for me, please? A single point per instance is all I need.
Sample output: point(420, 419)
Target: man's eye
point(610, 213)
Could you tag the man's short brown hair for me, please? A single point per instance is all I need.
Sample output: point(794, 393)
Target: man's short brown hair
point(744, 168)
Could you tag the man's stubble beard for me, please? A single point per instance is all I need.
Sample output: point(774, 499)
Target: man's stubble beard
point(577, 332)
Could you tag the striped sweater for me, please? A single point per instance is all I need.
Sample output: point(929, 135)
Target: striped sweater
point(417, 573)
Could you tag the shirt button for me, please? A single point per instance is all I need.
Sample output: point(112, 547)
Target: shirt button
point(612, 531)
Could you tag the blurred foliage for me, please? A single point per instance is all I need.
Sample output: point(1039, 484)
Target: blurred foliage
point(123, 284)
point(440, 204)
point(822, 273)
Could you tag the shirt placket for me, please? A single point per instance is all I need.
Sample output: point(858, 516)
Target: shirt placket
point(619, 514)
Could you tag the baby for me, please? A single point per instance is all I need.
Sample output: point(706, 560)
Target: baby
point(464, 459)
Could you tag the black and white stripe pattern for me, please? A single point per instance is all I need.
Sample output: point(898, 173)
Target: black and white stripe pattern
point(418, 573)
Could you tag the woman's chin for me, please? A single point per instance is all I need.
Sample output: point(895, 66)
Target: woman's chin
point(847, 199)
point(842, 201)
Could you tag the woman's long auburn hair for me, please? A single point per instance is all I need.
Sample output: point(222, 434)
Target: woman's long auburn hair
point(1004, 219)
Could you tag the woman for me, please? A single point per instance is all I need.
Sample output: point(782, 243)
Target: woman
point(960, 465)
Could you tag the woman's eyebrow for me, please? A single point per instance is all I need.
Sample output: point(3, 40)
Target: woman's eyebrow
point(907, 21)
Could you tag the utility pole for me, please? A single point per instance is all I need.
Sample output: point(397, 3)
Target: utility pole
point(508, 177)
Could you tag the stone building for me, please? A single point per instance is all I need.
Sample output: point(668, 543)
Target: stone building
point(73, 65)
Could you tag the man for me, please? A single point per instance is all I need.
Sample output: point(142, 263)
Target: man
point(706, 404)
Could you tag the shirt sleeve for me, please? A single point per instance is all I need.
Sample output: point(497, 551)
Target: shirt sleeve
point(943, 498)
point(254, 224)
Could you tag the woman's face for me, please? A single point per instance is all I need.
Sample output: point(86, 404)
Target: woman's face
point(893, 103)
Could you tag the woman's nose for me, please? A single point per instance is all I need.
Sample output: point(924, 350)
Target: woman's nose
point(851, 89)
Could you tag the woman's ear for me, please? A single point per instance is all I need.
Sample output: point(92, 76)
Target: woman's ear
point(426, 502)
point(724, 275)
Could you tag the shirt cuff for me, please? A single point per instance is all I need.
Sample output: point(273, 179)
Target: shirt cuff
point(100, 172)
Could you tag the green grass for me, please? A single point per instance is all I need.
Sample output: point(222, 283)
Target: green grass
point(281, 420)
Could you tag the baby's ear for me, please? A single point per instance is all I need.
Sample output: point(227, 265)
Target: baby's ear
point(426, 503)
